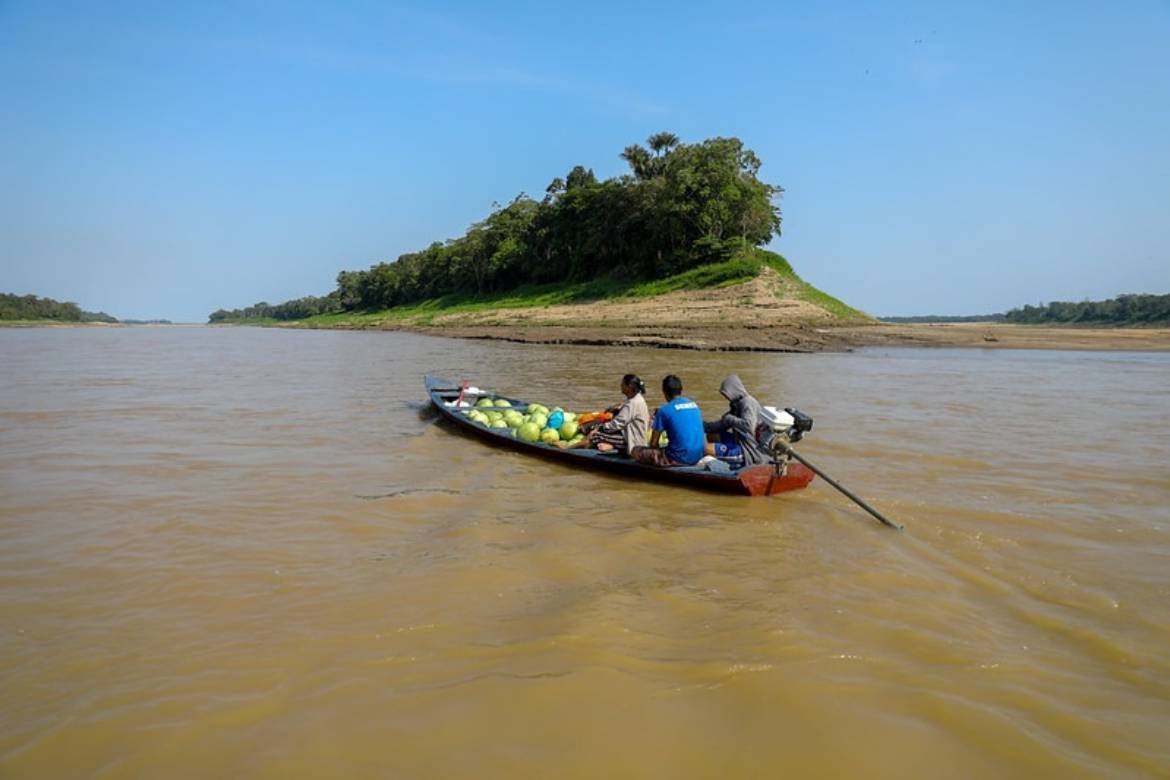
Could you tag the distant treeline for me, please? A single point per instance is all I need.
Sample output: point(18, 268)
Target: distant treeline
point(296, 309)
point(680, 206)
point(30, 307)
point(1122, 310)
point(928, 318)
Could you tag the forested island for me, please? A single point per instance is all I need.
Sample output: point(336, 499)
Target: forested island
point(686, 216)
point(30, 308)
point(668, 254)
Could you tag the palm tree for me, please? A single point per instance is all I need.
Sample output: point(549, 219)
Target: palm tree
point(638, 159)
point(662, 142)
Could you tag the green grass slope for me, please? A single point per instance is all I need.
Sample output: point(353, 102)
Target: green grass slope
point(740, 269)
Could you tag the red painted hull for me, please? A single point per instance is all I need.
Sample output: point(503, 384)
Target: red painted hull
point(750, 481)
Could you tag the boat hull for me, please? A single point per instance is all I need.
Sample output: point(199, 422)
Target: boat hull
point(749, 481)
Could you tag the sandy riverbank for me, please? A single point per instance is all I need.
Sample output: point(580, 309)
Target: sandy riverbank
point(1006, 336)
point(820, 338)
point(767, 314)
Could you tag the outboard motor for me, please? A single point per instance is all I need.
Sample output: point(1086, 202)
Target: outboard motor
point(790, 422)
point(788, 426)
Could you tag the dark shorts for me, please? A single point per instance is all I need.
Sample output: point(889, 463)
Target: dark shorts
point(728, 450)
point(652, 456)
point(726, 446)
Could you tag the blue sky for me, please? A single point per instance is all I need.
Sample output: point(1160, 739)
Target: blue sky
point(167, 159)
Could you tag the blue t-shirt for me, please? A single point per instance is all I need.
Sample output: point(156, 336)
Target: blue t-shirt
point(683, 423)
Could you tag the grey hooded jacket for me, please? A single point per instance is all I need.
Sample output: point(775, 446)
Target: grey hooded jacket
point(742, 419)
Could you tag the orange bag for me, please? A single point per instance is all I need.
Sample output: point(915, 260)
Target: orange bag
point(589, 417)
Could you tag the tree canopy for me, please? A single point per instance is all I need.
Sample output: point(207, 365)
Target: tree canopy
point(30, 307)
point(1122, 310)
point(680, 206)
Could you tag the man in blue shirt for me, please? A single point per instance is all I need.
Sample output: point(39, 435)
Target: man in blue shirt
point(682, 422)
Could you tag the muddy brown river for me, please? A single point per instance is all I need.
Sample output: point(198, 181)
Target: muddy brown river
point(255, 553)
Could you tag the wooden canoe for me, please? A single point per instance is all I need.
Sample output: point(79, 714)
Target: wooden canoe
point(748, 481)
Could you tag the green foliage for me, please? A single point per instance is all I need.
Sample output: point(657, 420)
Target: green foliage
point(743, 267)
point(836, 307)
point(684, 206)
point(297, 309)
point(720, 274)
point(30, 307)
point(1122, 310)
point(737, 270)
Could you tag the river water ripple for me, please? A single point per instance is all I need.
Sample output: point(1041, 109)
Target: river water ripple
point(246, 552)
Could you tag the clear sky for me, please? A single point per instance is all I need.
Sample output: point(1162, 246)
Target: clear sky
point(168, 159)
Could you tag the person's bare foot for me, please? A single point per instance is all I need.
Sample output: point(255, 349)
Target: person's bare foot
point(604, 447)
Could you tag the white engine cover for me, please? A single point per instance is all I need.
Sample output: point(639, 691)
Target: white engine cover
point(778, 419)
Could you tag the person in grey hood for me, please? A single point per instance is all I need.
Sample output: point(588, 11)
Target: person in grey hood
point(734, 434)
